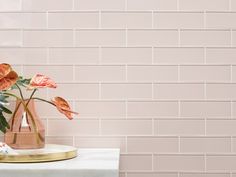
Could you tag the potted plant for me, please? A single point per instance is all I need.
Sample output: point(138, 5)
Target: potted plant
point(25, 130)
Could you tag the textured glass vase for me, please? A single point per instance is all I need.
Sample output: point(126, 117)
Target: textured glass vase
point(26, 129)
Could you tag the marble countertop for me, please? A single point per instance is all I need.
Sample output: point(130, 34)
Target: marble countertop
point(88, 163)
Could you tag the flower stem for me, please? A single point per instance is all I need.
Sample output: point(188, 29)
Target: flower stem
point(32, 94)
point(21, 94)
point(12, 95)
point(36, 98)
point(27, 110)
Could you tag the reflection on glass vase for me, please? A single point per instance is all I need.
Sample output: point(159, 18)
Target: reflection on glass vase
point(26, 129)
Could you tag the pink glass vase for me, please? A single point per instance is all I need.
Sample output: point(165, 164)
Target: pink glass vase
point(26, 129)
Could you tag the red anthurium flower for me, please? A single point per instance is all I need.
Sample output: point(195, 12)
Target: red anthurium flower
point(63, 107)
point(8, 81)
point(41, 81)
point(8, 77)
point(4, 69)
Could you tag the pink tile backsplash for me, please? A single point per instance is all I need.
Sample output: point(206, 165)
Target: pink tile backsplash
point(155, 78)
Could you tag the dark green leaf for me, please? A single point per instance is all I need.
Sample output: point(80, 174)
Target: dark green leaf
point(2, 127)
point(4, 109)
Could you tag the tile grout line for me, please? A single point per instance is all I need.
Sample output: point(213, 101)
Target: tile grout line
point(231, 80)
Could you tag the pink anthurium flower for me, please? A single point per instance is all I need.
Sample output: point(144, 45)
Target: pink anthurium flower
point(63, 107)
point(41, 81)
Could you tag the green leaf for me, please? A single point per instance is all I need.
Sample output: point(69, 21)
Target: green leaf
point(3, 121)
point(23, 82)
point(4, 109)
point(2, 127)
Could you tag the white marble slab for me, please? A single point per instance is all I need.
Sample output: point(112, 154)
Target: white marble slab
point(88, 163)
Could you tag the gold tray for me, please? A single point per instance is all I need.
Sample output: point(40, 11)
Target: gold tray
point(51, 152)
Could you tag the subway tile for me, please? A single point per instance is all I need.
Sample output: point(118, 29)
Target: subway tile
point(10, 38)
point(204, 174)
point(234, 144)
point(220, 163)
point(99, 4)
point(234, 38)
point(205, 144)
point(205, 37)
point(152, 109)
point(233, 5)
point(73, 127)
point(178, 55)
point(46, 5)
point(221, 55)
point(221, 127)
point(207, 109)
point(178, 162)
point(15, 20)
point(126, 127)
point(48, 38)
point(26, 93)
point(126, 55)
point(74, 55)
point(152, 4)
point(151, 174)
point(126, 20)
point(13, 5)
point(152, 144)
point(16, 68)
point(45, 110)
point(122, 174)
point(104, 109)
point(54, 72)
point(179, 127)
point(129, 162)
point(100, 73)
point(70, 20)
point(169, 20)
point(60, 140)
point(152, 73)
point(204, 5)
point(101, 142)
point(17, 55)
point(126, 91)
point(233, 73)
point(234, 109)
point(221, 91)
point(205, 73)
point(76, 91)
point(178, 91)
point(220, 20)
point(152, 37)
point(100, 37)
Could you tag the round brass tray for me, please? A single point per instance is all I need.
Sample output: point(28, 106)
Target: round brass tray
point(51, 152)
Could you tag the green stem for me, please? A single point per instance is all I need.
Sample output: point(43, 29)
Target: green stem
point(32, 94)
point(21, 94)
point(14, 114)
point(12, 95)
point(36, 98)
point(26, 108)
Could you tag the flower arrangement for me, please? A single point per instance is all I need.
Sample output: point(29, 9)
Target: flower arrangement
point(9, 80)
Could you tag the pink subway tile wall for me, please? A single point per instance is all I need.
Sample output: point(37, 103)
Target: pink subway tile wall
point(155, 78)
